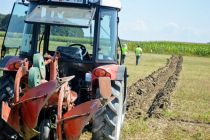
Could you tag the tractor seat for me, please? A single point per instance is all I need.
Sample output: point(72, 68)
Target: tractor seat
point(70, 53)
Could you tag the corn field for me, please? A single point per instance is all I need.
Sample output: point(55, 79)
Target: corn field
point(158, 47)
point(178, 48)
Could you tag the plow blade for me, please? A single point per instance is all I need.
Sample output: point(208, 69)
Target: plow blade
point(11, 117)
point(75, 120)
point(29, 106)
point(33, 102)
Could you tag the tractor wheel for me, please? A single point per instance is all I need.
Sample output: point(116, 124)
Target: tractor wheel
point(108, 121)
point(124, 102)
point(46, 132)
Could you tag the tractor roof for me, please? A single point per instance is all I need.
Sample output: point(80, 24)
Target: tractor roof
point(111, 3)
point(107, 3)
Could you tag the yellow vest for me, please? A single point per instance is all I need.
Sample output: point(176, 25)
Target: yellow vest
point(138, 51)
point(124, 50)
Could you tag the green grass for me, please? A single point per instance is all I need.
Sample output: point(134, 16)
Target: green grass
point(148, 64)
point(1, 41)
point(191, 99)
point(190, 102)
point(130, 128)
point(2, 34)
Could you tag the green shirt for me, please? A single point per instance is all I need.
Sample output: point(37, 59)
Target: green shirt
point(138, 51)
point(124, 50)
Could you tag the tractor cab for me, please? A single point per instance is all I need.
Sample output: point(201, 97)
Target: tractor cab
point(82, 31)
point(82, 34)
point(61, 72)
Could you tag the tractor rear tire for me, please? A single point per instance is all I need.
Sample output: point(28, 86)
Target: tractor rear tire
point(107, 122)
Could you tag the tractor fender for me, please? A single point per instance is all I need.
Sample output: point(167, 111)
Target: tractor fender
point(117, 72)
point(7, 61)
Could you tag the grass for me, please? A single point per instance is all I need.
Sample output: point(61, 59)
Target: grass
point(141, 127)
point(148, 64)
point(191, 99)
point(1, 41)
point(190, 102)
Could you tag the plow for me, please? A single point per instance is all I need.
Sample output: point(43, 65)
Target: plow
point(52, 91)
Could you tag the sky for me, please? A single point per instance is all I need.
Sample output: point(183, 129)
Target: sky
point(154, 20)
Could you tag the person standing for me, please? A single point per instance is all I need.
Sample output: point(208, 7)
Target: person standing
point(124, 52)
point(138, 52)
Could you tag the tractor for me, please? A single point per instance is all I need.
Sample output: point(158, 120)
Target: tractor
point(61, 71)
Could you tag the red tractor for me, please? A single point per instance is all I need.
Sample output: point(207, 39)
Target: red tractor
point(60, 71)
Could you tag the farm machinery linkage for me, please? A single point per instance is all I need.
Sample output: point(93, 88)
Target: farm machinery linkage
point(54, 88)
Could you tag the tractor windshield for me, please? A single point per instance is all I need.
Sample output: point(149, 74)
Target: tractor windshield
point(60, 15)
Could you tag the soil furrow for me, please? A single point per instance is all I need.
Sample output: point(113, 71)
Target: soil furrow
point(189, 122)
point(148, 94)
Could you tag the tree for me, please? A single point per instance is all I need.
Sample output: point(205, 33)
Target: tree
point(4, 22)
point(1, 18)
point(67, 31)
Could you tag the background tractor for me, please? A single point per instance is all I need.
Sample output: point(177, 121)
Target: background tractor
point(61, 71)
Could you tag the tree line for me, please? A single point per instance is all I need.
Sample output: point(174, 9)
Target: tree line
point(18, 20)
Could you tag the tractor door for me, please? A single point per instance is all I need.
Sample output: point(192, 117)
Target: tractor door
point(13, 39)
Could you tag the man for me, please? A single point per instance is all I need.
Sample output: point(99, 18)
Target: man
point(138, 52)
point(124, 52)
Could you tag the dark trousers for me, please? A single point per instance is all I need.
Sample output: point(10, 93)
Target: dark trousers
point(123, 59)
point(137, 60)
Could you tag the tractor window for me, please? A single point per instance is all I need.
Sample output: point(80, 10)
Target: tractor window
point(108, 35)
point(71, 38)
point(13, 38)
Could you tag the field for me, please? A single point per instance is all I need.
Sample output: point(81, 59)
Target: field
point(156, 47)
point(187, 115)
point(178, 48)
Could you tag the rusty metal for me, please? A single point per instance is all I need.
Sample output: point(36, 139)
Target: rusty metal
point(23, 114)
point(20, 74)
point(74, 120)
point(65, 79)
point(59, 110)
point(30, 110)
point(105, 87)
point(10, 116)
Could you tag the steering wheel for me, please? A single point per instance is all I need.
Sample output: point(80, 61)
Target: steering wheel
point(82, 47)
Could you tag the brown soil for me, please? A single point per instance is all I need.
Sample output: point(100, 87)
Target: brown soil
point(147, 96)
